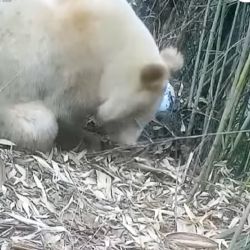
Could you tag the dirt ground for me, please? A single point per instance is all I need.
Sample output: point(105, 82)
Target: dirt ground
point(131, 198)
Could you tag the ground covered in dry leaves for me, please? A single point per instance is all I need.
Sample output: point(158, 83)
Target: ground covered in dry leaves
point(118, 199)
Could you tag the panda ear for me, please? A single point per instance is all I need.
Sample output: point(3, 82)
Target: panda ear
point(173, 59)
point(152, 76)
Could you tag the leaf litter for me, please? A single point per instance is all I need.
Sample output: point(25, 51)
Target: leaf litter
point(112, 200)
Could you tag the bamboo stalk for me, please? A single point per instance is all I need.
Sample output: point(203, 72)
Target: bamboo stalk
point(2, 174)
point(207, 167)
point(205, 64)
point(246, 164)
point(229, 105)
point(239, 135)
point(224, 63)
point(197, 60)
point(240, 227)
point(215, 66)
point(232, 117)
point(211, 102)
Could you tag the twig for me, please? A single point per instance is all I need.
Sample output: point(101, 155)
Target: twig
point(239, 82)
point(205, 66)
point(2, 174)
point(163, 141)
point(176, 195)
point(148, 169)
point(16, 246)
point(198, 55)
point(240, 228)
point(187, 167)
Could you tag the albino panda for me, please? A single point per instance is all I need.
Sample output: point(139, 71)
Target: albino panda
point(61, 60)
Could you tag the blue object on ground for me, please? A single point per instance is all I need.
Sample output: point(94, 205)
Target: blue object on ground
point(168, 98)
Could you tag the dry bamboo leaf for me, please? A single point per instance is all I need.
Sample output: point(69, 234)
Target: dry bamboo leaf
point(222, 242)
point(23, 177)
point(56, 170)
point(65, 158)
point(55, 229)
point(191, 240)
point(185, 226)
point(205, 216)
point(4, 190)
point(142, 240)
point(104, 182)
point(68, 176)
point(34, 210)
point(190, 214)
point(127, 223)
point(42, 162)
point(234, 222)
point(89, 181)
point(2, 174)
point(25, 203)
point(128, 219)
point(86, 174)
point(183, 127)
point(213, 202)
point(186, 167)
point(99, 195)
point(27, 237)
point(38, 183)
point(5, 245)
point(12, 174)
point(17, 244)
point(132, 230)
point(153, 235)
point(21, 170)
point(52, 239)
point(6, 142)
point(158, 215)
point(140, 213)
point(167, 165)
point(27, 221)
point(58, 175)
point(44, 199)
point(67, 206)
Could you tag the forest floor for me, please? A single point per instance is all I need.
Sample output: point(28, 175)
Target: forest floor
point(118, 199)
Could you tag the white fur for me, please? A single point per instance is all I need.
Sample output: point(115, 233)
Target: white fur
point(78, 57)
point(31, 125)
point(173, 58)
